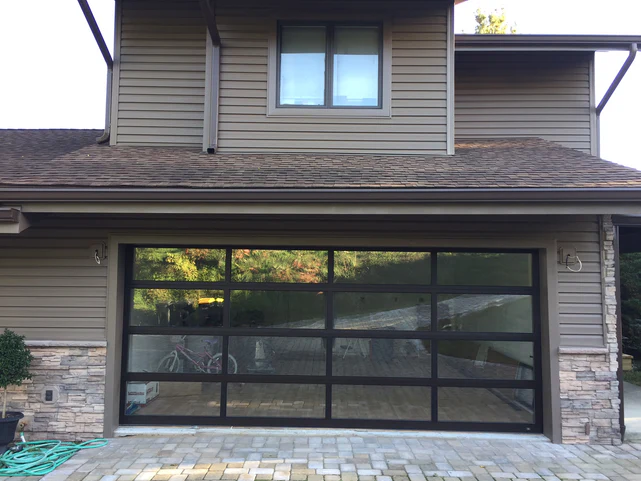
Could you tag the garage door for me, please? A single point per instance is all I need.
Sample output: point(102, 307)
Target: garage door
point(420, 339)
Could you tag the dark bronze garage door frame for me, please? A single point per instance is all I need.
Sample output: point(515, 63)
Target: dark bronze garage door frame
point(329, 333)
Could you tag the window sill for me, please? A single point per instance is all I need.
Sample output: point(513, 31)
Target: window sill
point(329, 113)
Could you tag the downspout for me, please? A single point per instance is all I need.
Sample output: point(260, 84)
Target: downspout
point(93, 25)
point(209, 14)
point(615, 83)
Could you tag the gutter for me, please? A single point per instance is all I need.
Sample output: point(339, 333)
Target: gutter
point(102, 45)
point(328, 196)
point(563, 43)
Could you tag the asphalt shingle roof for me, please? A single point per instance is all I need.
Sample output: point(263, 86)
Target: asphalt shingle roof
point(71, 158)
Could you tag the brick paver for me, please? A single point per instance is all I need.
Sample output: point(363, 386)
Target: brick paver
point(354, 457)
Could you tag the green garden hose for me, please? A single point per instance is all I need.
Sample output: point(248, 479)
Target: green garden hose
point(37, 458)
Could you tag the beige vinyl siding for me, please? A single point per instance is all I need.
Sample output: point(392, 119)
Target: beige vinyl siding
point(50, 286)
point(581, 318)
point(161, 90)
point(525, 94)
point(418, 97)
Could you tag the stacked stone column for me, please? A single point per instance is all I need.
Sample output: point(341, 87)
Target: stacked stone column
point(589, 386)
point(77, 375)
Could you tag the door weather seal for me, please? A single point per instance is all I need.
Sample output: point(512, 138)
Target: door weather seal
point(93, 25)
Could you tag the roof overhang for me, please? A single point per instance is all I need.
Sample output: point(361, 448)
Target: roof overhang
point(22, 196)
point(538, 43)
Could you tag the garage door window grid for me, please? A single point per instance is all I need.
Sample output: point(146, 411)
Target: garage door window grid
point(386, 338)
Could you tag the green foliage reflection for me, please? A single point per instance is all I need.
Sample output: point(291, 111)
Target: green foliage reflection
point(295, 266)
point(382, 267)
point(177, 307)
point(179, 264)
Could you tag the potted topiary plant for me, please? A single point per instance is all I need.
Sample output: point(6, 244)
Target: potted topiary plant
point(15, 360)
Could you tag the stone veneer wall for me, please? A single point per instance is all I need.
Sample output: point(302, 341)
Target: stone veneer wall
point(78, 373)
point(589, 385)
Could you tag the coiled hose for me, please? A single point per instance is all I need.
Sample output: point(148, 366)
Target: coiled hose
point(37, 458)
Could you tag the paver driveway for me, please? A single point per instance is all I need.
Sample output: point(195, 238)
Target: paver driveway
point(299, 456)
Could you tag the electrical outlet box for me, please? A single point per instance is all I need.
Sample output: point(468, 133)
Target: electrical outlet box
point(50, 394)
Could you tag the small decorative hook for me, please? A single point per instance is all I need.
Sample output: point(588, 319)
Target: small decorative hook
point(578, 261)
point(99, 252)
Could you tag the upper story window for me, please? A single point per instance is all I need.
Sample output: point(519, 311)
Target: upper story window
point(337, 66)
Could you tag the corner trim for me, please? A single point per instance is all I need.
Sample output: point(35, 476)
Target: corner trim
point(595, 149)
point(115, 75)
point(450, 79)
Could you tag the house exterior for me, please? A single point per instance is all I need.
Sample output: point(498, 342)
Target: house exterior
point(321, 214)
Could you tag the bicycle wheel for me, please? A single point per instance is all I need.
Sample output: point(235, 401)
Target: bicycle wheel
point(215, 364)
point(169, 363)
point(233, 365)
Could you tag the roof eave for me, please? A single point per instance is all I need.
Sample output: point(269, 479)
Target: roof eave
point(519, 42)
point(374, 195)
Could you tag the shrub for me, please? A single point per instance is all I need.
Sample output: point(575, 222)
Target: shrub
point(15, 360)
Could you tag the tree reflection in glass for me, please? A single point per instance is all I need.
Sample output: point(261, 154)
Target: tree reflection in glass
point(176, 308)
point(179, 264)
point(287, 266)
point(382, 267)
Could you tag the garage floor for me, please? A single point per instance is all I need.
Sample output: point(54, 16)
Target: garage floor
point(350, 402)
point(356, 401)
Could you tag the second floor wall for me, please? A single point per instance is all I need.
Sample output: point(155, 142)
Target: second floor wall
point(163, 96)
point(527, 94)
point(164, 68)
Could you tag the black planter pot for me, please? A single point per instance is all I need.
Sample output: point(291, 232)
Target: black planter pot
point(8, 427)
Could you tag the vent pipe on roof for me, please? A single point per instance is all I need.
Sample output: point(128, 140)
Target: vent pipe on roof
point(102, 45)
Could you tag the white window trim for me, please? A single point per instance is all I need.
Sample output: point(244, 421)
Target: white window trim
point(386, 85)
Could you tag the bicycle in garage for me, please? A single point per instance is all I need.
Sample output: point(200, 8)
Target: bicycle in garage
point(205, 361)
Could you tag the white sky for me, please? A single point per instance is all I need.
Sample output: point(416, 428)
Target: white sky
point(53, 75)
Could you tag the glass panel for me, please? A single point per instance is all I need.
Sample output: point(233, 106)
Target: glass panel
point(485, 313)
point(381, 357)
point(176, 308)
point(486, 360)
point(484, 269)
point(201, 354)
point(377, 267)
point(179, 264)
point(305, 267)
point(302, 65)
point(153, 398)
point(278, 309)
point(363, 310)
point(408, 403)
point(356, 66)
point(491, 405)
point(276, 400)
point(277, 355)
